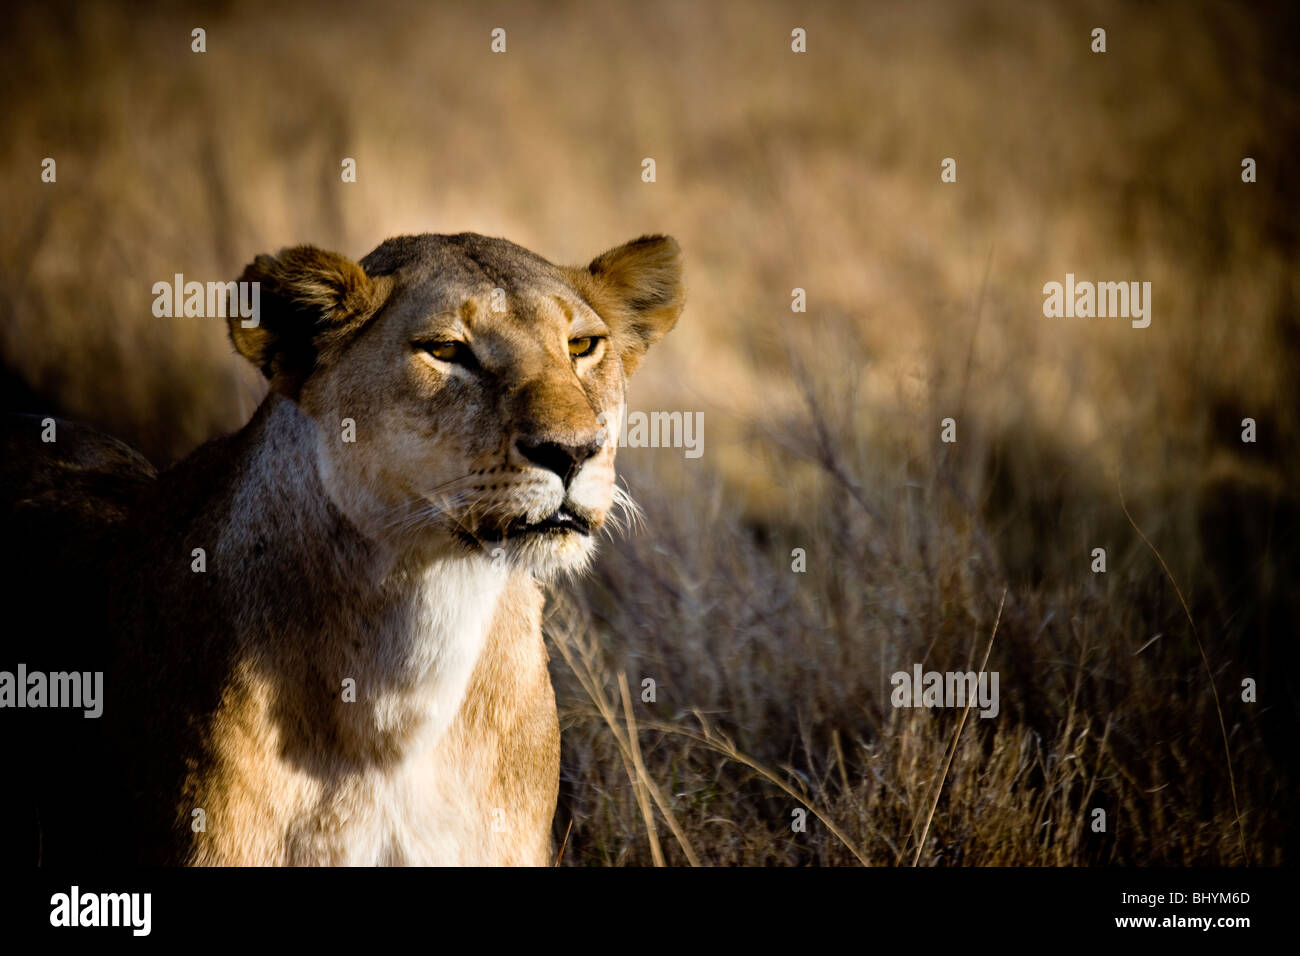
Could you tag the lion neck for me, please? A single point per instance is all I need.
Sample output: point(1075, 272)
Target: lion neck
point(329, 605)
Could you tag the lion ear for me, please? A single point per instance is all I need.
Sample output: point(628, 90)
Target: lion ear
point(309, 302)
point(637, 289)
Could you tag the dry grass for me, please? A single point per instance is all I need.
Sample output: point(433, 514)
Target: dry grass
point(772, 694)
point(777, 171)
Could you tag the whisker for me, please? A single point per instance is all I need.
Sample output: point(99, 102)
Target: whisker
point(625, 515)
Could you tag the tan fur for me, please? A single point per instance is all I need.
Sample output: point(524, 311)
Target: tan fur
point(409, 561)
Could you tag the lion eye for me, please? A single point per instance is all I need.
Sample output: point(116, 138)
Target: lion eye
point(445, 351)
point(583, 346)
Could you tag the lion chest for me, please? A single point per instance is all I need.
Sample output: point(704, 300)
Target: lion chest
point(376, 776)
point(416, 814)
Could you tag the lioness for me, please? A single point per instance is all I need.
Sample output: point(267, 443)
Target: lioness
point(321, 636)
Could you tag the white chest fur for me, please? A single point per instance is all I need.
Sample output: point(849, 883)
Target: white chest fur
point(428, 643)
point(422, 808)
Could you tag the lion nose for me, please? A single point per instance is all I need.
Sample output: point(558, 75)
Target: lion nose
point(564, 460)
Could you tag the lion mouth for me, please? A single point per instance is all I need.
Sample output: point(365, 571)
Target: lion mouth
point(560, 521)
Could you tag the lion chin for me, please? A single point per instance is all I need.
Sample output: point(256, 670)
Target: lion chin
point(561, 543)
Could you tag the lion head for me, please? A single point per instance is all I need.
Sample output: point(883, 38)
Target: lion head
point(465, 391)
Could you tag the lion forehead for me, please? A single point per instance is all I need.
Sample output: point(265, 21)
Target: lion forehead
point(466, 257)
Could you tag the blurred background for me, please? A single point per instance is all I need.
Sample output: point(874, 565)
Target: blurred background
point(776, 171)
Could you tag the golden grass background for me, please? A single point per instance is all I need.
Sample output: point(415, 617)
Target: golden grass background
point(776, 171)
